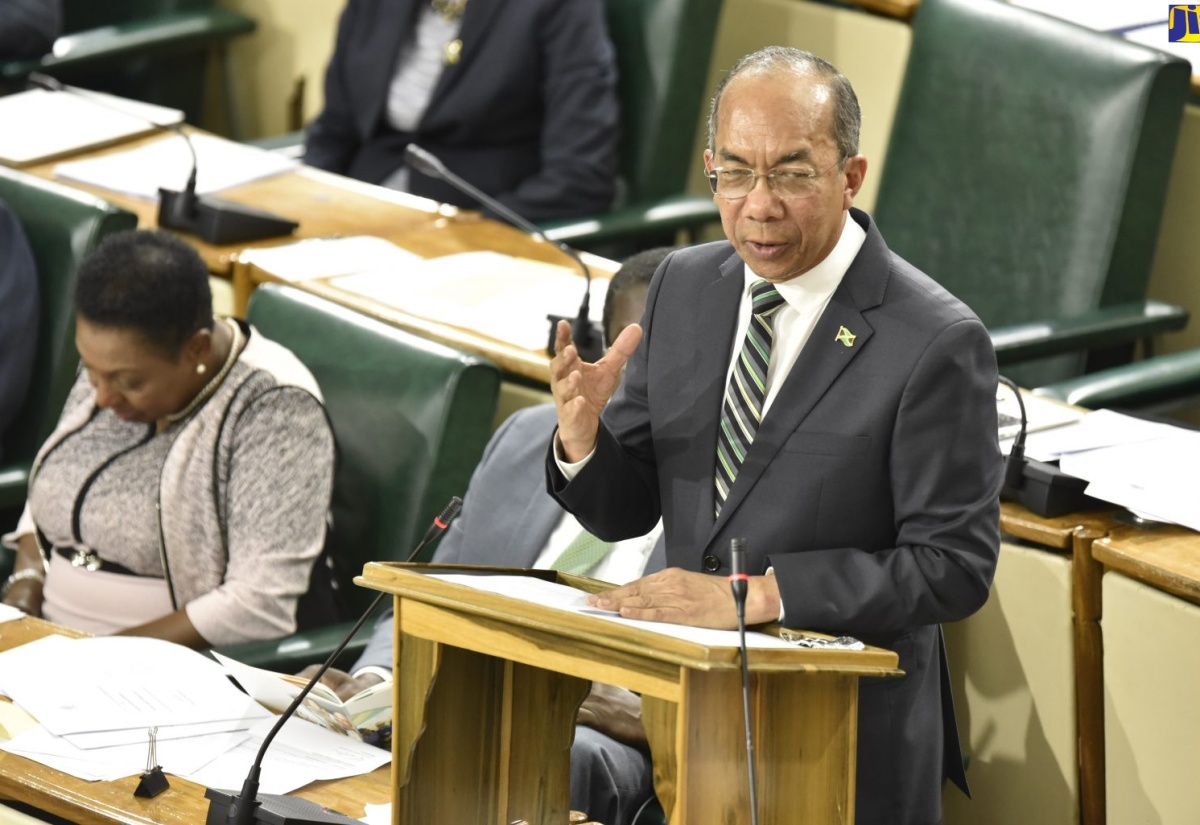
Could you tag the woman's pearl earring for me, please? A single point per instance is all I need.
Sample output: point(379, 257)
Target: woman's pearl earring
point(201, 369)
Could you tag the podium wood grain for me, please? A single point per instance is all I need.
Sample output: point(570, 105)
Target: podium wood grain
point(487, 688)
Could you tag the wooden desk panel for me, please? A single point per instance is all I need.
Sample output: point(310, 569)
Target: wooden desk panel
point(1166, 557)
point(103, 803)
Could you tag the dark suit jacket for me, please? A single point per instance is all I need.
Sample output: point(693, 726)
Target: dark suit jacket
point(507, 517)
point(18, 317)
point(529, 114)
point(871, 488)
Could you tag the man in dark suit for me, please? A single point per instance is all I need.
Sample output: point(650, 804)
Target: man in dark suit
point(518, 97)
point(508, 520)
point(805, 389)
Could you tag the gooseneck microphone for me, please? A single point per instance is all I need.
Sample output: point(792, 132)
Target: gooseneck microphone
point(216, 221)
point(249, 806)
point(588, 340)
point(739, 583)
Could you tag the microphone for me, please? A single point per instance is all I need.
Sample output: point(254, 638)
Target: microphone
point(216, 221)
point(587, 337)
point(249, 806)
point(739, 584)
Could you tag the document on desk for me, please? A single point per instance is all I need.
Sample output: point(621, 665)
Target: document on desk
point(103, 691)
point(329, 257)
point(565, 597)
point(9, 613)
point(221, 164)
point(53, 124)
point(301, 753)
point(497, 295)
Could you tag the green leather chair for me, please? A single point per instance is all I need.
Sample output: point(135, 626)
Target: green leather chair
point(1026, 171)
point(411, 419)
point(1161, 384)
point(663, 49)
point(151, 50)
point(63, 226)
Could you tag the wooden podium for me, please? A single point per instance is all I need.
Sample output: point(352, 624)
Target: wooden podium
point(487, 687)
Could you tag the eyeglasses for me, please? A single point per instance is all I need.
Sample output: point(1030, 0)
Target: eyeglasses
point(738, 182)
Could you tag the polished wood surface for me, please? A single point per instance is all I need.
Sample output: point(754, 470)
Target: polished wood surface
point(478, 672)
point(1165, 556)
point(446, 236)
point(324, 204)
point(102, 803)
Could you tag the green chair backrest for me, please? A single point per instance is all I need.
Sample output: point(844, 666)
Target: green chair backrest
point(63, 226)
point(1028, 161)
point(663, 50)
point(410, 418)
point(81, 15)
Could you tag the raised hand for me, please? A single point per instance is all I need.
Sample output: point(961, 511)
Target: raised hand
point(581, 389)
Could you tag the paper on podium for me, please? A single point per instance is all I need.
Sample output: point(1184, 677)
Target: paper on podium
point(41, 125)
point(329, 257)
point(141, 172)
point(497, 295)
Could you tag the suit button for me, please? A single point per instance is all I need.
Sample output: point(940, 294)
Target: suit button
point(712, 564)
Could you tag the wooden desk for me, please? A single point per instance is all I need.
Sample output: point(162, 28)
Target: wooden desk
point(1151, 591)
point(324, 204)
point(1027, 676)
point(102, 803)
point(465, 233)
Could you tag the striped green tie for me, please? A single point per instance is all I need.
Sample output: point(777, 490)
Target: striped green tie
point(583, 553)
point(742, 411)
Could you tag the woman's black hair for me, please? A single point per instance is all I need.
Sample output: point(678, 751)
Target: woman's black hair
point(148, 281)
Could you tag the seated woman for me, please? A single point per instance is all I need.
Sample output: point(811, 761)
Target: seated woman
point(183, 494)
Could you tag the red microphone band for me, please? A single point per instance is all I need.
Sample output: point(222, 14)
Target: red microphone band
point(739, 577)
point(439, 523)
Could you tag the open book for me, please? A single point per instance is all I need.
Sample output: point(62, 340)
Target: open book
point(366, 716)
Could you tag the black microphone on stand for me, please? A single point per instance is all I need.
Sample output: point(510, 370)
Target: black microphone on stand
point(249, 806)
point(216, 221)
point(587, 337)
point(739, 583)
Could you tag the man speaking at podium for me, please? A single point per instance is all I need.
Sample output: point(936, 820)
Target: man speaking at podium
point(802, 388)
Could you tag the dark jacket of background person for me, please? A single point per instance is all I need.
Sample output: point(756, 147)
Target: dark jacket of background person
point(529, 114)
point(28, 28)
point(18, 316)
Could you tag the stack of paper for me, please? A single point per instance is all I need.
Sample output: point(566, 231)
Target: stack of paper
point(97, 699)
point(167, 163)
point(496, 295)
point(41, 125)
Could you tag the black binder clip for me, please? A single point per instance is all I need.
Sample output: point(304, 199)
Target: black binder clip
point(153, 781)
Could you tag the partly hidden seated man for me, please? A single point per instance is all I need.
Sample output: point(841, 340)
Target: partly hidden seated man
point(508, 519)
point(183, 494)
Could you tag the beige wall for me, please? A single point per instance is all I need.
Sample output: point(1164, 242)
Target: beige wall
point(294, 40)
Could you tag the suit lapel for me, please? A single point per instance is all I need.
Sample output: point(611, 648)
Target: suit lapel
point(476, 20)
point(715, 322)
point(373, 65)
point(822, 360)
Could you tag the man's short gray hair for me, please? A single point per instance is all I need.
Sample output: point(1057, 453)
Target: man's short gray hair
point(847, 116)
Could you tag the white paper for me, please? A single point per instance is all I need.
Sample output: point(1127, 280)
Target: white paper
point(1040, 413)
point(564, 597)
point(301, 753)
point(118, 683)
point(329, 257)
point(176, 756)
point(166, 163)
point(59, 123)
point(9, 613)
point(496, 295)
